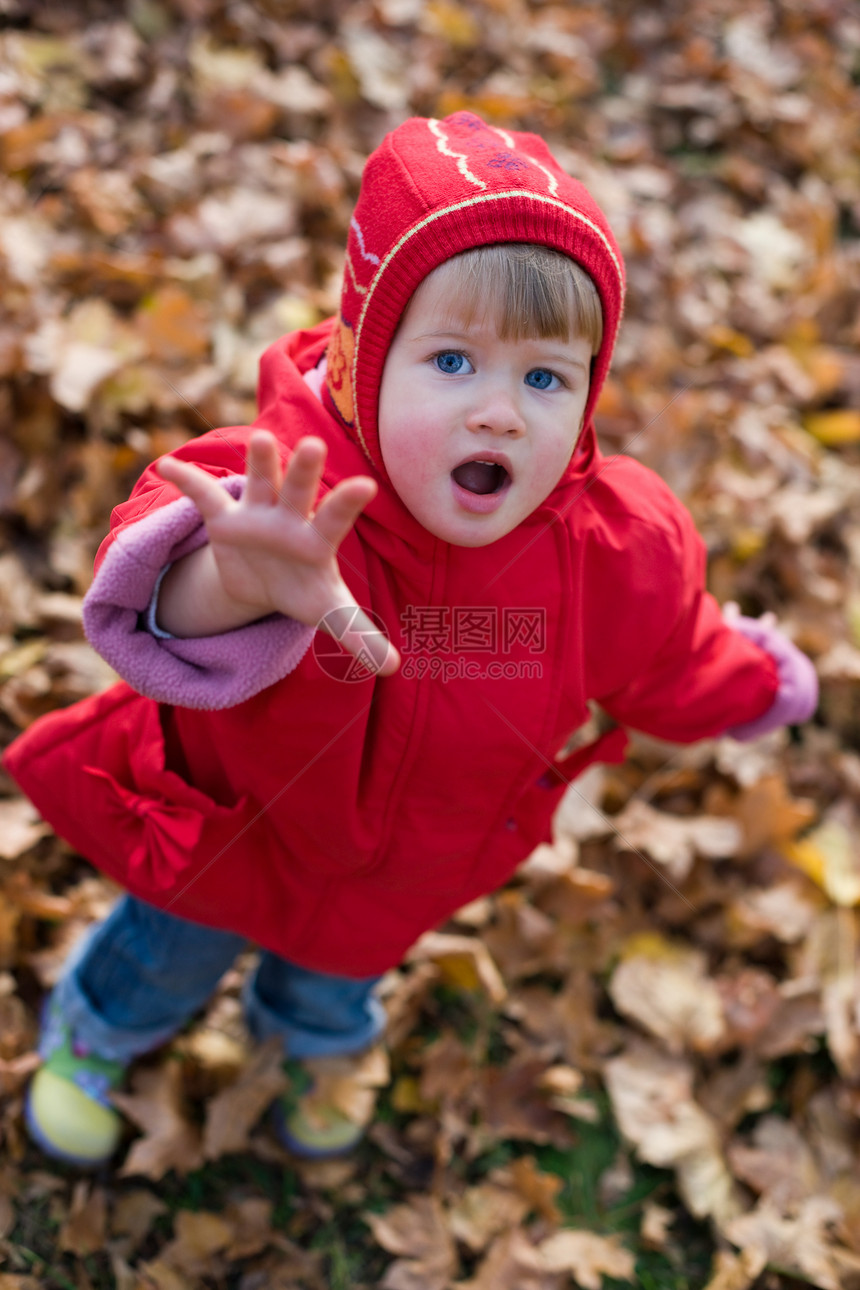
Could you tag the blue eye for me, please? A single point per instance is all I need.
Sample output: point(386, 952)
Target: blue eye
point(452, 362)
point(541, 378)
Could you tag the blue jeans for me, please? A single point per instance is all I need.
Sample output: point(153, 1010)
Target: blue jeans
point(135, 979)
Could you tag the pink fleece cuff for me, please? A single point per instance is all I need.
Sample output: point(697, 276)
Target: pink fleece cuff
point(206, 672)
point(797, 696)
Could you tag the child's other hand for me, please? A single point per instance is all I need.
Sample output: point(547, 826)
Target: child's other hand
point(273, 552)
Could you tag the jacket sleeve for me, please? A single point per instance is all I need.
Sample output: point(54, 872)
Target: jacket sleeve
point(155, 527)
point(672, 666)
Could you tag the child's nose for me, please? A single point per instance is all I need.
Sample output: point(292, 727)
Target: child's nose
point(498, 411)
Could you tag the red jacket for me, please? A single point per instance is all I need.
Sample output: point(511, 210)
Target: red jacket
point(334, 822)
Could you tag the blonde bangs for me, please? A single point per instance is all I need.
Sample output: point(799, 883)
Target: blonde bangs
point(527, 291)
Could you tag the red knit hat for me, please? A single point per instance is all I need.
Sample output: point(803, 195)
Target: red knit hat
point(431, 190)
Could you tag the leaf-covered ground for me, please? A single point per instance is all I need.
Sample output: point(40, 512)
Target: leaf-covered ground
point(640, 1061)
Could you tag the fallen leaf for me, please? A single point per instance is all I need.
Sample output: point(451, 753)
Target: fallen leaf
point(800, 1244)
point(736, 1271)
point(134, 1213)
point(198, 1237)
point(840, 426)
point(537, 1188)
point(765, 810)
point(21, 827)
point(587, 1257)
point(656, 1221)
point(828, 855)
point(251, 1224)
point(778, 1165)
point(664, 986)
point(232, 1113)
point(83, 1232)
point(349, 1083)
point(170, 1140)
point(418, 1232)
point(653, 1102)
point(513, 1105)
point(513, 1263)
point(673, 841)
point(484, 1211)
point(464, 961)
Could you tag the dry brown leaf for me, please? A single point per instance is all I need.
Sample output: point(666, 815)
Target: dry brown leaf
point(83, 1232)
point(251, 1223)
point(801, 1244)
point(7, 1215)
point(785, 911)
point(736, 1271)
point(464, 961)
point(664, 986)
point(134, 1212)
point(587, 1257)
point(656, 1221)
point(155, 1274)
point(232, 1113)
point(779, 1166)
point(484, 1211)
point(653, 1102)
point(15, 1073)
point(174, 326)
point(513, 1105)
point(349, 1083)
point(673, 841)
point(21, 827)
point(199, 1237)
point(447, 1070)
point(418, 1232)
point(765, 810)
point(170, 1140)
point(513, 1263)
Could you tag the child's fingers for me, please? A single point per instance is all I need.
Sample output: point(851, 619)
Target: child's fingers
point(204, 491)
point(339, 509)
point(302, 478)
point(262, 470)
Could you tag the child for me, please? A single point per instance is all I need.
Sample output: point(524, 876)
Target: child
point(428, 456)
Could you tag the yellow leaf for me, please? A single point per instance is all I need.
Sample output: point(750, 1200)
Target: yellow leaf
point(722, 337)
point(840, 426)
point(463, 961)
point(406, 1096)
point(746, 543)
point(830, 858)
point(450, 21)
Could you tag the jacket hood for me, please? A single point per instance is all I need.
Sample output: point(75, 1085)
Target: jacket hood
point(431, 190)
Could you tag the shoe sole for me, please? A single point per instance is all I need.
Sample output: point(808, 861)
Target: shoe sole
point(303, 1149)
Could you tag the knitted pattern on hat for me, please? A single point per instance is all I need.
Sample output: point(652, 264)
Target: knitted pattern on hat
point(431, 190)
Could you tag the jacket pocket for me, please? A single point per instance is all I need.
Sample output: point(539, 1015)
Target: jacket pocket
point(97, 773)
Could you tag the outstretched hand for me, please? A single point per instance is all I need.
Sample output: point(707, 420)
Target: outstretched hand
point(273, 552)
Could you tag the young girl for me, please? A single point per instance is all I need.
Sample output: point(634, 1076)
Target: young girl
point(423, 471)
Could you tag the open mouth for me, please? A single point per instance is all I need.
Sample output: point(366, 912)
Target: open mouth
point(480, 476)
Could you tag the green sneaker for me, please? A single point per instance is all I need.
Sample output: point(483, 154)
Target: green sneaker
point(68, 1112)
point(330, 1101)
